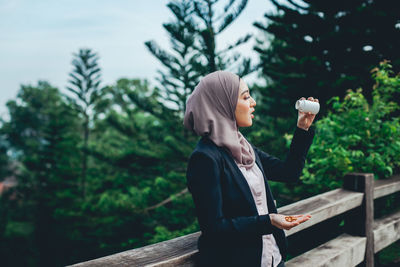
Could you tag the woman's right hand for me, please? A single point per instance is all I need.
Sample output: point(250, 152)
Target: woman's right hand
point(279, 221)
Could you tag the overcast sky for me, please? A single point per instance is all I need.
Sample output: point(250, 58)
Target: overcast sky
point(38, 38)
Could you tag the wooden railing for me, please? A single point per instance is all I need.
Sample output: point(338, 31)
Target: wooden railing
point(363, 235)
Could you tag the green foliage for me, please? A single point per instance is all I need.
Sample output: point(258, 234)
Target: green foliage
point(162, 233)
point(85, 79)
point(42, 136)
point(84, 84)
point(140, 151)
point(323, 48)
point(211, 22)
point(319, 49)
point(183, 64)
point(193, 38)
point(390, 255)
point(357, 136)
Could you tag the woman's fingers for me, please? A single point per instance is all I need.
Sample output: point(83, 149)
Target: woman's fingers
point(310, 98)
point(302, 215)
point(303, 218)
point(289, 225)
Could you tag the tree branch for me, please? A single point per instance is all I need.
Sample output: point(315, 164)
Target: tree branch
point(167, 200)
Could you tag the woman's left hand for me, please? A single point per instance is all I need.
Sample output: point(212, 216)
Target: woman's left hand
point(287, 222)
point(305, 119)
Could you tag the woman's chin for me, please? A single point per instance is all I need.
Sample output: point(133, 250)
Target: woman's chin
point(245, 123)
point(248, 124)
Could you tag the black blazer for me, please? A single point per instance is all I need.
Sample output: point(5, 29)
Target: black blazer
point(229, 222)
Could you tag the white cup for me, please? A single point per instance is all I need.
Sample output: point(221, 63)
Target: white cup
point(307, 106)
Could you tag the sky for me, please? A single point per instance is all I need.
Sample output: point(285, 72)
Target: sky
point(38, 39)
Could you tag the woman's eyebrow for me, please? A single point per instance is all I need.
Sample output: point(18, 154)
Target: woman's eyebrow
point(245, 91)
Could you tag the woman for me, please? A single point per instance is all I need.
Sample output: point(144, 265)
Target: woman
point(227, 176)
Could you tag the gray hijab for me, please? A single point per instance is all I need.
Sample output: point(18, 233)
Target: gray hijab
point(210, 111)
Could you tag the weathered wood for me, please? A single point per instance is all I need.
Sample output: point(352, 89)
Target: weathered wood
point(360, 221)
point(180, 251)
point(356, 198)
point(386, 187)
point(322, 207)
point(386, 231)
point(344, 250)
point(187, 260)
point(175, 252)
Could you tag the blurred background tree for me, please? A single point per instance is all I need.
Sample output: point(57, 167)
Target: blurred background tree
point(320, 49)
point(193, 36)
point(183, 66)
point(42, 133)
point(84, 84)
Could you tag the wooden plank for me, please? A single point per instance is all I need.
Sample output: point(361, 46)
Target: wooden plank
point(182, 250)
point(368, 209)
point(386, 187)
point(322, 207)
point(386, 231)
point(187, 260)
point(177, 251)
point(360, 221)
point(344, 250)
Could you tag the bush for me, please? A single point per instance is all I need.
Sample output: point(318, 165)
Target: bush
point(357, 136)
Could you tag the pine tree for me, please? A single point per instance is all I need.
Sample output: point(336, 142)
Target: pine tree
point(84, 84)
point(211, 23)
point(42, 134)
point(183, 66)
point(321, 49)
point(140, 145)
point(193, 34)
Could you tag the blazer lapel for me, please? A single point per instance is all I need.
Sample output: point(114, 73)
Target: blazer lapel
point(270, 199)
point(240, 179)
point(258, 162)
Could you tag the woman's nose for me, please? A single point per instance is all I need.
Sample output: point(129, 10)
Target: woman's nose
point(253, 102)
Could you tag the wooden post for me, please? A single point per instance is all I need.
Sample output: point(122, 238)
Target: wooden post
point(360, 221)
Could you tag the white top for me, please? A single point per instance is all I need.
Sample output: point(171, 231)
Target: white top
point(255, 180)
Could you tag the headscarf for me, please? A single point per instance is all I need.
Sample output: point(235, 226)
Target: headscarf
point(210, 111)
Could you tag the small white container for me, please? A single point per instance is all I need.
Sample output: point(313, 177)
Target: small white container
point(307, 106)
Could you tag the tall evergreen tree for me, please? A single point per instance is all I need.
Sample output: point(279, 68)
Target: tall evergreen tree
point(142, 148)
point(319, 49)
point(193, 35)
point(211, 23)
point(323, 48)
point(42, 133)
point(84, 83)
point(183, 66)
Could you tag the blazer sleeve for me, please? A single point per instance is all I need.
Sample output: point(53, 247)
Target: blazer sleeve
point(290, 169)
point(203, 180)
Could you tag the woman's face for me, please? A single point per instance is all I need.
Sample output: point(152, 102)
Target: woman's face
point(245, 106)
